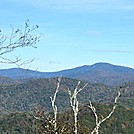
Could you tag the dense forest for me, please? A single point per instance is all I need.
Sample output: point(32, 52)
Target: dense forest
point(21, 100)
point(122, 121)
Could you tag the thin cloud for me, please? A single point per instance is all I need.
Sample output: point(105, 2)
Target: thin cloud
point(112, 51)
point(53, 62)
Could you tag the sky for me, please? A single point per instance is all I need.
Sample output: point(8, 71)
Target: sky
point(75, 32)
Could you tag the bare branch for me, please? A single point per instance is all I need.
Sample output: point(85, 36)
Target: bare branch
point(17, 61)
point(99, 122)
point(54, 106)
point(17, 39)
point(74, 104)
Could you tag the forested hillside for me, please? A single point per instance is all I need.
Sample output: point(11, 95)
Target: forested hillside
point(26, 96)
point(20, 100)
point(122, 121)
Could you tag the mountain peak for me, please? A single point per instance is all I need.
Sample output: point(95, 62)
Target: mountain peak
point(102, 64)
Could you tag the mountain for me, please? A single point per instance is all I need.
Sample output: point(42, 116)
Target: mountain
point(104, 73)
point(108, 74)
point(19, 73)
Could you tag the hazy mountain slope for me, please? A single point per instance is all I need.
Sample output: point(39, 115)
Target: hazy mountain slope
point(108, 74)
point(98, 73)
point(19, 73)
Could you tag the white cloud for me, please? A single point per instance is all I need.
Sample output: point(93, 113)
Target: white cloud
point(112, 51)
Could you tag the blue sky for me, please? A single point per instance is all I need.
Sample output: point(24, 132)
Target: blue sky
point(76, 32)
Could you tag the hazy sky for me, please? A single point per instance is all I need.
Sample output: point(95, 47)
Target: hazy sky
point(76, 32)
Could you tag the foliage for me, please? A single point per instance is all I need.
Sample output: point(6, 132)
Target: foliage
point(122, 121)
point(16, 123)
point(26, 96)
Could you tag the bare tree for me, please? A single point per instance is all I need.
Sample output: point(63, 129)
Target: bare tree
point(51, 122)
point(75, 104)
point(63, 123)
point(17, 39)
point(54, 106)
point(99, 122)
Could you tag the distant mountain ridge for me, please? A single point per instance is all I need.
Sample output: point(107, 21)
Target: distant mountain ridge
point(104, 73)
